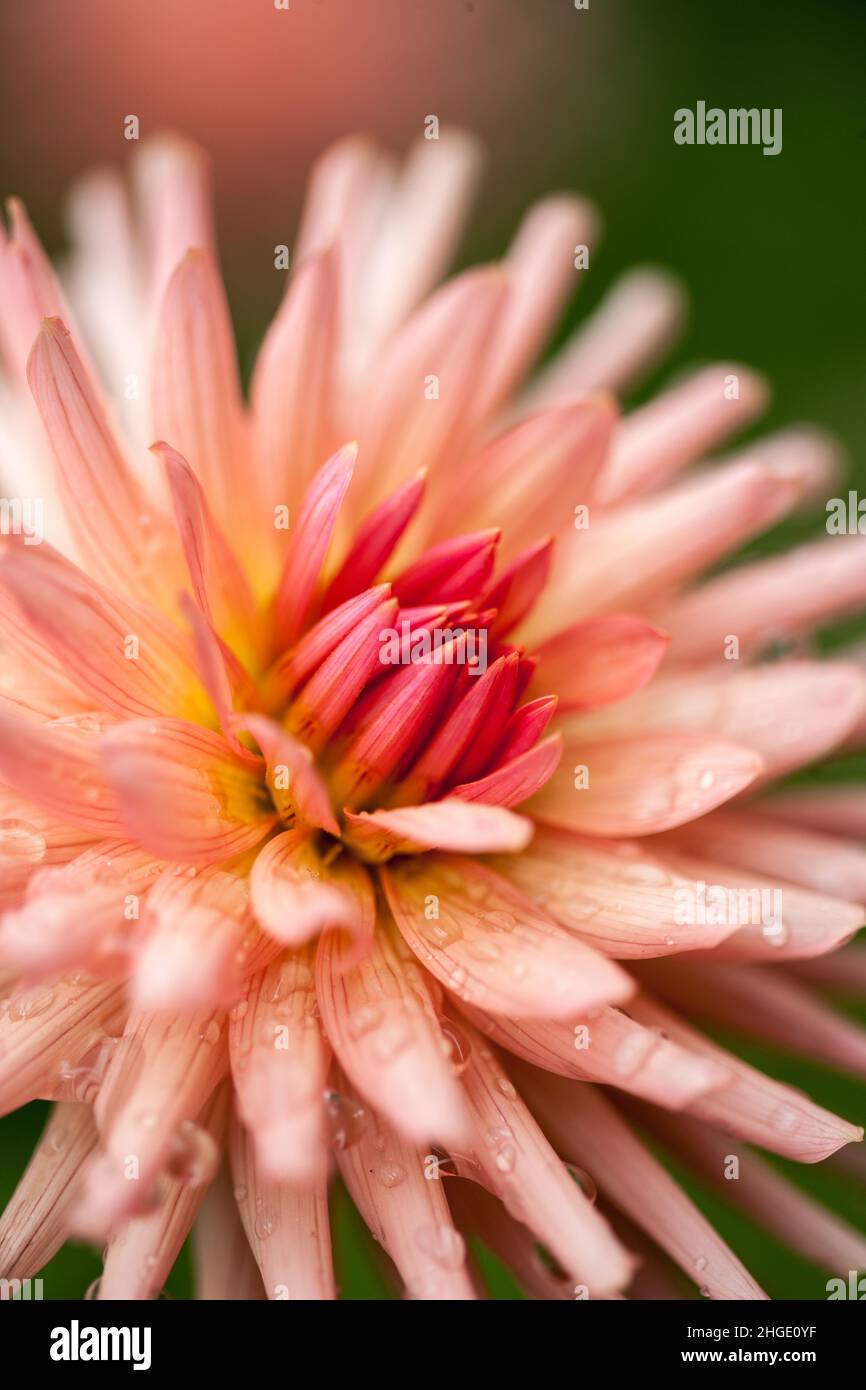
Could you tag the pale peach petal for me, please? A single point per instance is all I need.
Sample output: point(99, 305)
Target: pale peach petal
point(172, 186)
point(600, 661)
point(587, 1130)
point(286, 1225)
point(33, 1223)
point(542, 274)
point(183, 794)
point(838, 810)
point(49, 1030)
point(516, 1162)
point(777, 850)
point(776, 920)
point(297, 892)
point(451, 824)
point(413, 244)
point(279, 1064)
point(380, 1018)
point(79, 914)
point(121, 654)
point(293, 389)
point(195, 939)
point(753, 1106)
point(160, 1078)
point(526, 480)
point(620, 340)
point(56, 765)
point(639, 786)
point(764, 1004)
point(407, 1212)
point(140, 1255)
point(769, 600)
point(225, 1269)
point(404, 426)
point(768, 1198)
point(790, 712)
point(480, 1214)
point(121, 538)
point(620, 897)
point(197, 405)
point(678, 427)
point(614, 1049)
point(637, 554)
point(493, 947)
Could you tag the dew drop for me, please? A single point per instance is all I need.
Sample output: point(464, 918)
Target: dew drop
point(584, 1180)
point(347, 1120)
point(456, 1045)
point(391, 1174)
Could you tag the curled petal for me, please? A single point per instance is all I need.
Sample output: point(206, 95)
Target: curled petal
point(297, 892)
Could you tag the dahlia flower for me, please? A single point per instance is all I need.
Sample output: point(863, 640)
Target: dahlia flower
point(450, 922)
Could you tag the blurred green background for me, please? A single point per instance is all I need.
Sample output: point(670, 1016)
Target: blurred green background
point(771, 249)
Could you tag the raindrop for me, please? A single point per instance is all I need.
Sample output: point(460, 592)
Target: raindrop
point(31, 1004)
point(364, 1020)
point(391, 1174)
point(457, 1046)
point(584, 1180)
point(194, 1156)
point(347, 1120)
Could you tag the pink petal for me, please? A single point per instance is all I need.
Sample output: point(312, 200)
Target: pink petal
point(308, 547)
point(306, 795)
point(296, 893)
point(513, 782)
point(279, 1067)
point(642, 785)
point(49, 1029)
point(286, 1225)
point(408, 1215)
point(374, 541)
point(33, 1224)
point(678, 427)
point(183, 794)
point(518, 1164)
point(493, 947)
point(790, 713)
point(333, 689)
point(624, 900)
point(381, 1021)
point(589, 1132)
point(600, 661)
point(449, 824)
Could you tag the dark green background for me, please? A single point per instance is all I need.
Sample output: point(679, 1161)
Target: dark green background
point(772, 251)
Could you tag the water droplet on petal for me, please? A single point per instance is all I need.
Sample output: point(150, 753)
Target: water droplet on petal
point(346, 1118)
point(584, 1180)
point(456, 1045)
